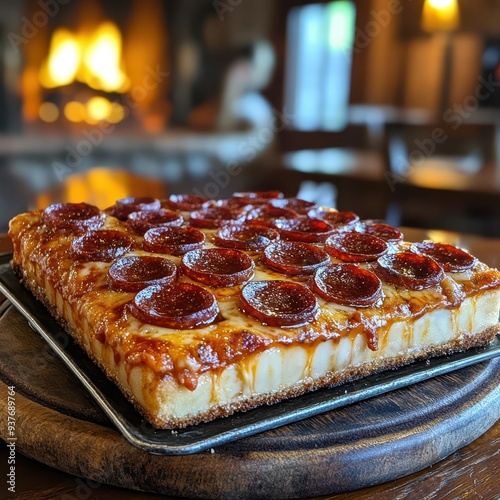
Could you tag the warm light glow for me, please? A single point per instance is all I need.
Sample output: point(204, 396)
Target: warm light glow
point(95, 59)
point(97, 109)
point(102, 59)
point(63, 61)
point(433, 176)
point(441, 4)
point(153, 122)
point(48, 112)
point(101, 187)
point(117, 113)
point(110, 185)
point(76, 188)
point(444, 237)
point(440, 15)
point(145, 44)
point(74, 111)
point(31, 93)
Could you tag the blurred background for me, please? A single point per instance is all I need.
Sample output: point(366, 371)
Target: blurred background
point(389, 108)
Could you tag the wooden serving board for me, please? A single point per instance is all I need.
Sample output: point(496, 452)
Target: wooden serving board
point(367, 443)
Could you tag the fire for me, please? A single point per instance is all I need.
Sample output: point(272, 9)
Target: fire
point(93, 58)
point(102, 60)
point(63, 61)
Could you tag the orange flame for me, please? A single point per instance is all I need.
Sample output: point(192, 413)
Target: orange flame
point(94, 59)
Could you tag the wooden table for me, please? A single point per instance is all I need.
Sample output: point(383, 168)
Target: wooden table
point(470, 472)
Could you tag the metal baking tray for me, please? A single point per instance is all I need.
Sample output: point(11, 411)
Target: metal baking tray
point(223, 430)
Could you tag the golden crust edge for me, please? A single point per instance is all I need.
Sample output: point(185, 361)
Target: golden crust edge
point(338, 378)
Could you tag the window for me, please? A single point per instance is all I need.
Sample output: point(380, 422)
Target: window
point(318, 77)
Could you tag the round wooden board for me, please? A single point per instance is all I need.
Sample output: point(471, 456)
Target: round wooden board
point(368, 443)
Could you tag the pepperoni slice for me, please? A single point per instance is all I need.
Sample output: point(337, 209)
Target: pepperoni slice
point(104, 245)
point(140, 222)
point(173, 240)
point(302, 207)
point(134, 272)
point(267, 214)
point(348, 285)
point(184, 202)
point(309, 230)
point(294, 258)
point(334, 217)
point(449, 257)
point(409, 270)
point(355, 247)
point(252, 238)
point(218, 266)
point(214, 217)
point(279, 303)
point(383, 231)
point(125, 206)
point(179, 306)
point(74, 216)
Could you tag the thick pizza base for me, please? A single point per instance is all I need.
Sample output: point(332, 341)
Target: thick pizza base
point(285, 364)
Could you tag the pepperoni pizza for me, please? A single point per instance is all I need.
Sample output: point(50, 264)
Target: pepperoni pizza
point(199, 308)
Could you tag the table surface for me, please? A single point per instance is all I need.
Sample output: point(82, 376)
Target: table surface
point(466, 473)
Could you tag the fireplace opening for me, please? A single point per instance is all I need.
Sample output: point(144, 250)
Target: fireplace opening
point(97, 62)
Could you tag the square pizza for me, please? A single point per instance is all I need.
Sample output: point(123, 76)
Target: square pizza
point(200, 308)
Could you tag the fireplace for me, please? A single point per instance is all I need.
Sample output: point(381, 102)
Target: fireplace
point(90, 62)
